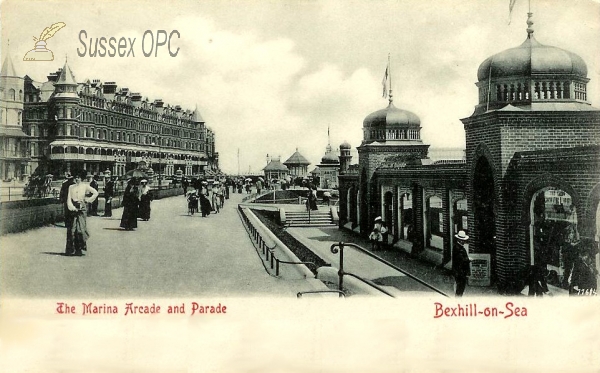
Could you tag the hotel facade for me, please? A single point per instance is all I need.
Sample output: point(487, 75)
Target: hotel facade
point(100, 127)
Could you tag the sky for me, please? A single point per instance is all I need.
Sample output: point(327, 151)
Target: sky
point(270, 77)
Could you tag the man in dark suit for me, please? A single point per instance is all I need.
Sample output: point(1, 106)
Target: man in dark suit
point(64, 193)
point(461, 264)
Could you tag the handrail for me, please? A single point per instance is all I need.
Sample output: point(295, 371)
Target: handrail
point(269, 252)
point(371, 283)
point(334, 249)
point(277, 261)
point(340, 293)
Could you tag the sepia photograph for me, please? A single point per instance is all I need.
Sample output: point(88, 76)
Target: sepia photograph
point(299, 186)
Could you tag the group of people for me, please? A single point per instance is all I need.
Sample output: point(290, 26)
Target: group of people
point(577, 259)
point(136, 203)
point(206, 199)
point(379, 235)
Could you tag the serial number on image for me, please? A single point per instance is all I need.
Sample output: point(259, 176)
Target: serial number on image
point(474, 310)
point(586, 292)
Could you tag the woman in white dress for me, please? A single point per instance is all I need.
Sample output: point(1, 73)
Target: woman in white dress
point(80, 194)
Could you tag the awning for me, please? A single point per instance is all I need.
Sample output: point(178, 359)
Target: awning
point(12, 132)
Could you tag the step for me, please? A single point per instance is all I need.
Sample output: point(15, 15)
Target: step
point(313, 225)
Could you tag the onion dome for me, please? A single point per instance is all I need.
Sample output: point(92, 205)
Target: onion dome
point(391, 125)
point(345, 145)
point(532, 58)
point(532, 76)
point(330, 158)
point(391, 117)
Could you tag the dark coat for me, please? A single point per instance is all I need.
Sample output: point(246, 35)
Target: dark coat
point(461, 264)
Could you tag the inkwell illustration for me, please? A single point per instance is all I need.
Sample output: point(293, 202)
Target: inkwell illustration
point(40, 52)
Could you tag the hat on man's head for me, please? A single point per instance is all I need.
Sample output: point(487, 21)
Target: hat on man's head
point(378, 218)
point(143, 181)
point(461, 236)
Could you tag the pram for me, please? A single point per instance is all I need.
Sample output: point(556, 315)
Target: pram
point(192, 199)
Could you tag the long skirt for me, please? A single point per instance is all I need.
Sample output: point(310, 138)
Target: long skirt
point(108, 208)
point(129, 218)
point(145, 207)
point(205, 206)
point(79, 232)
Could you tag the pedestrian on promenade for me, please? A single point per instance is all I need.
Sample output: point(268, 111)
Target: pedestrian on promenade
point(93, 208)
point(77, 202)
point(68, 215)
point(569, 252)
point(145, 199)
point(375, 238)
point(205, 206)
point(461, 264)
point(382, 230)
point(131, 201)
point(259, 186)
point(216, 200)
point(184, 185)
point(109, 193)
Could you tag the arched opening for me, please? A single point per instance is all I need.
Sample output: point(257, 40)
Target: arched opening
point(484, 198)
point(554, 243)
point(388, 213)
point(434, 223)
point(460, 213)
point(405, 217)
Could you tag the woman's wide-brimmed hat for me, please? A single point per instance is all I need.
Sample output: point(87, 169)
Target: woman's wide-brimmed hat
point(144, 181)
point(461, 236)
point(378, 218)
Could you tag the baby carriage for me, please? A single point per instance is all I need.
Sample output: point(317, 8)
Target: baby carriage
point(192, 203)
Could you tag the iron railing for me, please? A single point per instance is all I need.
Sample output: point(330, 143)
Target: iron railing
point(342, 273)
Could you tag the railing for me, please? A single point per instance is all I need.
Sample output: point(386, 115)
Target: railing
point(342, 273)
point(341, 293)
point(268, 252)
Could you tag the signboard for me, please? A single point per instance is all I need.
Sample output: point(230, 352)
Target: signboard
point(480, 270)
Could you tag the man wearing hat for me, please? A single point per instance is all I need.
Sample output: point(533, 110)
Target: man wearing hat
point(461, 264)
point(68, 215)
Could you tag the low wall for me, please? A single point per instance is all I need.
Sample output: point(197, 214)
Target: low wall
point(19, 216)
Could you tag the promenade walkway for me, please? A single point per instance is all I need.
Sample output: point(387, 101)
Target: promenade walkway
point(171, 255)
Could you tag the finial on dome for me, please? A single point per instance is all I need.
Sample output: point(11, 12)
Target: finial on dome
point(529, 24)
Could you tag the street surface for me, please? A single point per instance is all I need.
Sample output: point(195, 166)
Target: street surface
point(171, 255)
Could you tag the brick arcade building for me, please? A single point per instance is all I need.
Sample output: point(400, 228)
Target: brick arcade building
point(98, 126)
point(530, 184)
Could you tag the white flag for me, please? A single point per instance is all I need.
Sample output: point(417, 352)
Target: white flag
point(511, 5)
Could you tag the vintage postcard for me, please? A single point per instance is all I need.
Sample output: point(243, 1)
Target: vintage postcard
point(299, 186)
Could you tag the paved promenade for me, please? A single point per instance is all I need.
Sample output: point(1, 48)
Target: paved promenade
point(172, 255)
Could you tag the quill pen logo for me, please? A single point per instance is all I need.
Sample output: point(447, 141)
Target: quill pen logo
point(40, 52)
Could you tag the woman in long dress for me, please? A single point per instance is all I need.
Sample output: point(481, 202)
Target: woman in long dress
point(77, 201)
point(145, 199)
point(131, 201)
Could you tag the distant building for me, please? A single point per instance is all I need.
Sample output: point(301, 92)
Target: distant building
point(297, 165)
point(99, 126)
point(274, 170)
point(14, 143)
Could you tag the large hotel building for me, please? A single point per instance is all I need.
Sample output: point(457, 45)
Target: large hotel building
point(62, 124)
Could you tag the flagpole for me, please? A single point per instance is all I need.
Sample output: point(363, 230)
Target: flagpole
point(390, 75)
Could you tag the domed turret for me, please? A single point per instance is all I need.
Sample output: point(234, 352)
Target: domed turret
point(345, 145)
point(530, 76)
point(330, 158)
point(392, 124)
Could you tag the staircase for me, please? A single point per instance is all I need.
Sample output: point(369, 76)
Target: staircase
point(317, 219)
